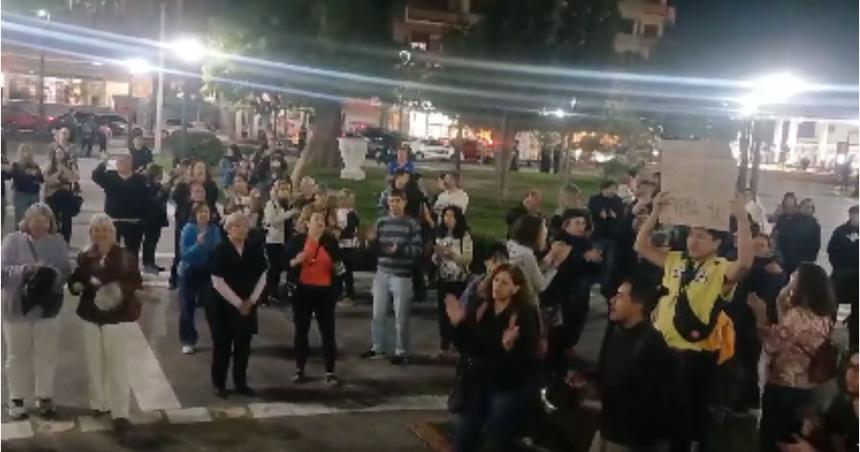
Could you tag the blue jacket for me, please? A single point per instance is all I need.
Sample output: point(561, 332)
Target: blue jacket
point(194, 255)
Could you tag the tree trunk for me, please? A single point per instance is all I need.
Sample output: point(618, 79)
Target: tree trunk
point(745, 145)
point(756, 160)
point(322, 146)
point(503, 162)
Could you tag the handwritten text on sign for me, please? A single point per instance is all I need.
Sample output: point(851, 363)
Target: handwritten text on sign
point(700, 175)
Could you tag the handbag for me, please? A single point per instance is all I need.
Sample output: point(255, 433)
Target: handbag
point(685, 321)
point(462, 382)
point(38, 289)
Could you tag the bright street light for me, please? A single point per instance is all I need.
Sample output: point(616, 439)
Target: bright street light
point(772, 89)
point(137, 66)
point(189, 50)
point(42, 14)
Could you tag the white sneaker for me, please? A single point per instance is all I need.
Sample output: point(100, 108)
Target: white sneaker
point(187, 349)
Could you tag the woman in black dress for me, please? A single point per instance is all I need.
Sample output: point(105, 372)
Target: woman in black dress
point(238, 277)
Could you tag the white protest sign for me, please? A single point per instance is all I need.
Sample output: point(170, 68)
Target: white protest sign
point(700, 177)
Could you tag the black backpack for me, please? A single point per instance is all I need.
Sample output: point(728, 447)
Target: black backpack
point(685, 320)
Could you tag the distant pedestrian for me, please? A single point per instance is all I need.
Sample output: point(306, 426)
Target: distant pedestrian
point(27, 181)
point(530, 206)
point(314, 264)
point(798, 236)
point(227, 165)
point(607, 211)
point(278, 217)
point(32, 333)
point(452, 255)
point(245, 200)
point(454, 195)
point(141, 155)
point(401, 162)
point(239, 279)
point(127, 200)
point(569, 197)
point(307, 193)
point(106, 279)
point(398, 241)
point(156, 217)
point(62, 190)
point(191, 183)
point(199, 239)
point(346, 231)
point(843, 253)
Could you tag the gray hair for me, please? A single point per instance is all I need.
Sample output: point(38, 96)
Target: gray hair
point(307, 181)
point(234, 218)
point(101, 219)
point(38, 208)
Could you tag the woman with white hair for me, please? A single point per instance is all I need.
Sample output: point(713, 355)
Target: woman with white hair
point(238, 276)
point(35, 268)
point(106, 279)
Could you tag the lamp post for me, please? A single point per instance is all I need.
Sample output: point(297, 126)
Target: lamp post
point(40, 93)
point(772, 89)
point(136, 66)
point(190, 51)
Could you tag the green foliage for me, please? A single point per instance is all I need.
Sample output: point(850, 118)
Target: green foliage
point(616, 168)
point(197, 145)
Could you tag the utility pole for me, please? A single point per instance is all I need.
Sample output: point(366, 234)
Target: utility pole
point(159, 97)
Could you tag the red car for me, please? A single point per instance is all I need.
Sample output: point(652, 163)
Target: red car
point(16, 117)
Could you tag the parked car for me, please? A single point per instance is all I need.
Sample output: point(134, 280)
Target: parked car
point(118, 124)
point(23, 116)
point(431, 150)
point(381, 144)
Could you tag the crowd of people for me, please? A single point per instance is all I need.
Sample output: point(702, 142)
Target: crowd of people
point(700, 320)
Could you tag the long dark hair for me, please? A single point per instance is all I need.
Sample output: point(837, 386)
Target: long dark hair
point(526, 231)
point(523, 298)
point(460, 227)
point(814, 290)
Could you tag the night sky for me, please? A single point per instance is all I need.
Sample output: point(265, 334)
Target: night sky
point(817, 39)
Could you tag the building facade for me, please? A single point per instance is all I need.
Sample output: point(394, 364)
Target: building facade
point(643, 23)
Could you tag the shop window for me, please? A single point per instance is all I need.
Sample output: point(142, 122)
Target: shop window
point(806, 130)
point(649, 31)
point(626, 26)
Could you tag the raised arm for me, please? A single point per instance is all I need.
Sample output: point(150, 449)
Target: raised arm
point(643, 244)
point(738, 268)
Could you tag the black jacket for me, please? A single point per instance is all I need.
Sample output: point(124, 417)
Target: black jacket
point(181, 197)
point(843, 248)
point(604, 228)
point(26, 183)
point(762, 283)
point(351, 229)
point(575, 270)
point(124, 198)
point(157, 214)
point(140, 158)
point(640, 387)
point(798, 239)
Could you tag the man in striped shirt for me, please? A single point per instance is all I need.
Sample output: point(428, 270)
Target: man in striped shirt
point(398, 242)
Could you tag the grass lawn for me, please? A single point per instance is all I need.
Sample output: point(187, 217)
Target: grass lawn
point(486, 214)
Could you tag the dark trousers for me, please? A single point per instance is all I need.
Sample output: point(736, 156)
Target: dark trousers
point(193, 290)
point(309, 302)
point(64, 220)
point(607, 269)
point(747, 353)
point(492, 419)
point(699, 373)
point(130, 235)
point(350, 256)
point(231, 337)
point(275, 254)
point(781, 414)
point(151, 236)
point(446, 331)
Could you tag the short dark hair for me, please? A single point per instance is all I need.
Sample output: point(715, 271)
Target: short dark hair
point(814, 290)
point(498, 251)
point(397, 193)
point(644, 290)
point(607, 183)
point(853, 210)
point(570, 214)
point(633, 172)
point(526, 230)
point(763, 236)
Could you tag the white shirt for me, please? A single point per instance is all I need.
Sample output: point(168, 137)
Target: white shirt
point(456, 197)
point(758, 214)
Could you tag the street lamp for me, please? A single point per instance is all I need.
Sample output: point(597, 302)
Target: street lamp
point(189, 50)
point(135, 66)
point(771, 89)
point(40, 97)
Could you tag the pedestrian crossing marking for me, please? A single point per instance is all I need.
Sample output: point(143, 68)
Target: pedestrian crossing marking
point(148, 381)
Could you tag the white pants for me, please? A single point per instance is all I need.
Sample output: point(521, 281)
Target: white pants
point(31, 355)
point(106, 360)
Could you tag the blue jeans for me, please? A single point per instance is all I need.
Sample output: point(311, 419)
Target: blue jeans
point(385, 286)
point(22, 201)
point(499, 417)
point(192, 293)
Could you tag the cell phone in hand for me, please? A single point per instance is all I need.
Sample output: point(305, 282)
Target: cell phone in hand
point(111, 165)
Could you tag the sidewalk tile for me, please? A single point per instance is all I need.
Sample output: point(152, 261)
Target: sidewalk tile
point(264, 410)
point(47, 426)
point(146, 417)
point(188, 415)
point(228, 412)
point(16, 430)
point(93, 424)
point(312, 409)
